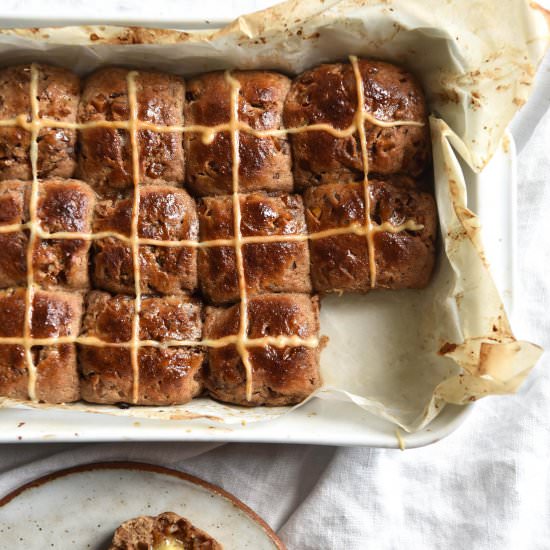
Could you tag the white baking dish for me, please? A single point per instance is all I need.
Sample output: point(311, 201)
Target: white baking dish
point(319, 421)
point(209, 14)
point(491, 195)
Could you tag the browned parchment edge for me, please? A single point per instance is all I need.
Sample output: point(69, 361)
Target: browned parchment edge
point(134, 35)
point(107, 34)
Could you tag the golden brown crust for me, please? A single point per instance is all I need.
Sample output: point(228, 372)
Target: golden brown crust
point(270, 267)
point(145, 532)
point(167, 376)
point(328, 168)
point(341, 263)
point(281, 376)
point(63, 206)
point(54, 314)
point(58, 95)
point(105, 159)
point(328, 94)
point(166, 213)
point(265, 163)
point(13, 211)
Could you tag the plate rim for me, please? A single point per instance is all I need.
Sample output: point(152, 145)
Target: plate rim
point(145, 467)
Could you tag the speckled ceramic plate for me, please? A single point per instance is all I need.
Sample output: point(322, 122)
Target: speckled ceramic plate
point(81, 508)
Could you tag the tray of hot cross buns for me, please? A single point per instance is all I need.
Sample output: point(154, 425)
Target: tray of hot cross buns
point(264, 232)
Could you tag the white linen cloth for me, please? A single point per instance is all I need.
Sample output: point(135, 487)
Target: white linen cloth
point(486, 487)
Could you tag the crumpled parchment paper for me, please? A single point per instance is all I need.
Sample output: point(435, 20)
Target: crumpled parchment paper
point(401, 355)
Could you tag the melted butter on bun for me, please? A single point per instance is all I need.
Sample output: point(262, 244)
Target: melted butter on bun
point(169, 543)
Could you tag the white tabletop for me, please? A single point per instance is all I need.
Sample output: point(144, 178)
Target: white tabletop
point(485, 487)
